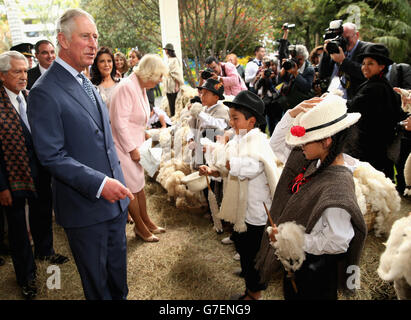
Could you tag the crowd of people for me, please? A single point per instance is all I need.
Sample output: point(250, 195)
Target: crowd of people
point(71, 129)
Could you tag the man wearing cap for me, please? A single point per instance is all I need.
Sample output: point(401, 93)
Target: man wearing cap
point(175, 79)
point(45, 54)
point(22, 178)
point(26, 50)
point(227, 74)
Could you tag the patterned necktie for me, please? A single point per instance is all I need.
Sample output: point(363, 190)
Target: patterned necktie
point(87, 87)
point(23, 113)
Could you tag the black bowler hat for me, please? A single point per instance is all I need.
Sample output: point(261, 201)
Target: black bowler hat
point(251, 102)
point(169, 46)
point(378, 52)
point(24, 48)
point(215, 87)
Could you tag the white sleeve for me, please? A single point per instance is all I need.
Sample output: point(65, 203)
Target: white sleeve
point(100, 190)
point(209, 121)
point(331, 234)
point(277, 141)
point(245, 167)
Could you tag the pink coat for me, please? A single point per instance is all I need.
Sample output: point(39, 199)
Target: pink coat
point(232, 81)
point(129, 114)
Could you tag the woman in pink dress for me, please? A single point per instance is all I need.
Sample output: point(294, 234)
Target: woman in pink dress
point(129, 115)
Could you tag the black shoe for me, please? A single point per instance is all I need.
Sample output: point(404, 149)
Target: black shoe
point(30, 290)
point(55, 258)
point(2, 262)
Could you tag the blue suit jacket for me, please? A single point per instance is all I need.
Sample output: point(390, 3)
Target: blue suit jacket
point(74, 142)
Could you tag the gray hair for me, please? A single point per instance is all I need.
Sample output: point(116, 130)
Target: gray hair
point(350, 25)
point(301, 50)
point(6, 57)
point(65, 24)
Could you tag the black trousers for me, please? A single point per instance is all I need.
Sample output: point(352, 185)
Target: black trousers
point(247, 245)
point(404, 152)
point(40, 219)
point(317, 279)
point(171, 97)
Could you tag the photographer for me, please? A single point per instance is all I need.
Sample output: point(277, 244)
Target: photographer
point(267, 79)
point(226, 73)
point(342, 66)
point(296, 75)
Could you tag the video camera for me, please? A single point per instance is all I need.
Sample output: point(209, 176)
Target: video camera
point(207, 73)
point(334, 33)
point(288, 26)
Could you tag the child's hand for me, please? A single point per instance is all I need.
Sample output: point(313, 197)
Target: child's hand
point(204, 170)
point(227, 165)
point(305, 106)
point(272, 231)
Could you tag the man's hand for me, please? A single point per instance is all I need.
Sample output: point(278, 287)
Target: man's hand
point(5, 198)
point(135, 155)
point(113, 191)
point(338, 57)
point(293, 71)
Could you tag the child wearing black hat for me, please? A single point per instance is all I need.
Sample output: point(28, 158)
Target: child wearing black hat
point(251, 177)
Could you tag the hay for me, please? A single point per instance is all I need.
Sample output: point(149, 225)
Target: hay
point(188, 263)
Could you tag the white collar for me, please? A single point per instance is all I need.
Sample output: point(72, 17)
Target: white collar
point(301, 70)
point(42, 70)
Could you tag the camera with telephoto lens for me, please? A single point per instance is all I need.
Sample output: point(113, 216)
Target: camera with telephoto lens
point(207, 73)
point(288, 26)
point(289, 64)
point(335, 34)
point(268, 72)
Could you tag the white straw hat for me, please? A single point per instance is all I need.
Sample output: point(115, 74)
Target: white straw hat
point(324, 120)
point(195, 182)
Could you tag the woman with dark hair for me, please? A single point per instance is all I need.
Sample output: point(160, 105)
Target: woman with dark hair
point(175, 79)
point(121, 64)
point(316, 190)
point(103, 73)
point(380, 109)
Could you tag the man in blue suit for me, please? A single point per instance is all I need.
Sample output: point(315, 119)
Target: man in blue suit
point(73, 140)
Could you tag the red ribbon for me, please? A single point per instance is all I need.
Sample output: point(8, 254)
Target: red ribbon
point(298, 182)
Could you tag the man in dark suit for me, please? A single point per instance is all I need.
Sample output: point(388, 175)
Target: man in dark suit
point(343, 69)
point(45, 54)
point(22, 178)
point(73, 140)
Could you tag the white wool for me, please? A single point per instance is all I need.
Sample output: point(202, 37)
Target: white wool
point(172, 181)
point(154, 134)
point(289, 245)
point(379, 193)
point(183, 98)
point(395, 262)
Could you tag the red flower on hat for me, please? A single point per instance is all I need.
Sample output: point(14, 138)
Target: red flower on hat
point(298, 131)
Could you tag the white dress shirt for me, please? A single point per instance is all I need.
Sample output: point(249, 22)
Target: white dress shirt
point(333, 231)
point(13, 99)
point(251, 71)
point(42, 70)
point(258, 187)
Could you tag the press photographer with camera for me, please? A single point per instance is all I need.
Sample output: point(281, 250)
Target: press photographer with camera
point(296, 74)
point(340, 64)
point(224, 72)
point(254, 67)
point(267, 79)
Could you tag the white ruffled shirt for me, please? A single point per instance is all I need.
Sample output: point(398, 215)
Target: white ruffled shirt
point(333, 232)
